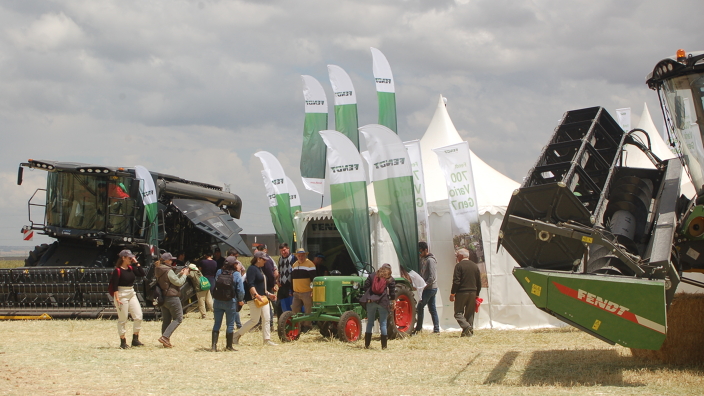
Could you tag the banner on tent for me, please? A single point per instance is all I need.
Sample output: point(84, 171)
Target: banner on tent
point(414, 155)
point(456, 166)
point(313, 161)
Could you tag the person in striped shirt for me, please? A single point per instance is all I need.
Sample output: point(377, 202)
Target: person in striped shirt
point(302, 275)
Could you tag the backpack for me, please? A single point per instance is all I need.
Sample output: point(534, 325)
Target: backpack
point(378, 285)
point(155, 293)
point(204, 283)
point(110, 289)
point(223, 290)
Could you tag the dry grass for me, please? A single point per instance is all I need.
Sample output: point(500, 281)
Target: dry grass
point(82, 357)
point(11, 263)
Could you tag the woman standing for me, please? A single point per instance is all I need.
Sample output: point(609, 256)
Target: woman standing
point(257, 291)
point(379, 294)
point(121, 287)
point(227, 303)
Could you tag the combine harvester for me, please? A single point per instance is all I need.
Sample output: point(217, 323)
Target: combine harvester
point(602, 246)
point(94, 212)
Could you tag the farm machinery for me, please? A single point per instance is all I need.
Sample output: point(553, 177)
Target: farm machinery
point(95, 211)
point(338, 313)
point(601, 245)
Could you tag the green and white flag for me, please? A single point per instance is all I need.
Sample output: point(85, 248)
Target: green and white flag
point(149, 199)
point(348, 196)
point(385, 90)
point(393, 187)
point(346, 121)
point(273, 209)
point(283, 200)
point(413, 148)
point(456, 165)
point(313, 153)
point(293, 194)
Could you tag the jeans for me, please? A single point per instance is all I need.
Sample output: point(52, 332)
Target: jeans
point(227, 308)
point(428, 298)
point(372, 310)
point(171, 315)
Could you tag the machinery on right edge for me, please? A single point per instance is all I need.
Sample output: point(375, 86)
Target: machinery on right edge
point(602, 246)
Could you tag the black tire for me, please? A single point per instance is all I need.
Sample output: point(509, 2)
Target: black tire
point(349, 328)
point(287, 330)
point(402, 320)
point(328, 329)
point(35, 255)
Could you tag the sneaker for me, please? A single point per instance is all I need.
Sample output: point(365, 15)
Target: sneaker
point(236, 339)
point(165, 341)
point(270, 343)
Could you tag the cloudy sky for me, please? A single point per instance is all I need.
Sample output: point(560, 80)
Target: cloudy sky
point(195, 88)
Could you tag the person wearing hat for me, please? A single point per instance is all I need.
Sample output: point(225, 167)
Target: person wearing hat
point(302, 274)
point(379, 295)
point(171, 310)
point(227, 308)
point(205, 298)
point(257, 290)
point(121, 287)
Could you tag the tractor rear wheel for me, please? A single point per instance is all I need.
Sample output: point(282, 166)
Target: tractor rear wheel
point(349, 327)
point(403, 318)
point(288, 331)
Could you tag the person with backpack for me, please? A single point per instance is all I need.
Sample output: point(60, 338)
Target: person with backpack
point(228, 293)
point(379, 295)
point(170, 284)
point(202, 287)
point(121, 287)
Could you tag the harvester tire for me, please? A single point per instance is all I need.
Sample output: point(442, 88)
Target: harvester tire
point(36, 255)
point(288, 331)
point(349, 327)
point(402, 319)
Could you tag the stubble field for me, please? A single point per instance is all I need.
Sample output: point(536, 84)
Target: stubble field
point(81, 357)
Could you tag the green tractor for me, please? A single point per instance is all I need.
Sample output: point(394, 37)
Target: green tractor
point(338, 313)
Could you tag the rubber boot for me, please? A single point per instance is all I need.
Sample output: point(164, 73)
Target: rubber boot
point(135, 341)
point(214, 346)
point(229, 337)
point(123, 343)
point(367, 340)
point(383, 341)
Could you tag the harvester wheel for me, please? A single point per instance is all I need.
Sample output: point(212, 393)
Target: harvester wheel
point(36, 255)
point(328, 329)
point(349, 327)
point(288, 331)
point(402, 320)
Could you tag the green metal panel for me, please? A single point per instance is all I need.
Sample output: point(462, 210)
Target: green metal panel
point(627, 311)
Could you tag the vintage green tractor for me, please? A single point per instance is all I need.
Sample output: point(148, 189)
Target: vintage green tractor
point(338, 313)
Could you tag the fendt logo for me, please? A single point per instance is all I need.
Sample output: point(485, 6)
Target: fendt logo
point(601, 303)
point(315, 102)
point(344, 168)
point(390, 162)
point(383, 81)
point(343, 93)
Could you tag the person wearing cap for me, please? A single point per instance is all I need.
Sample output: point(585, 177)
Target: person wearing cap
point(121, 286)
point(302, 274)
point(228, 308)
point(205, 298)
point(271, 274)
point(320, 268)
point(379, 295)
point(257, 290)
point(171, 310)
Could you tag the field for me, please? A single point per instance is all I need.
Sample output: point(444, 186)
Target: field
point(82, 358)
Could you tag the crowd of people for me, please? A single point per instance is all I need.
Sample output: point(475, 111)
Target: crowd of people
point(224, 286)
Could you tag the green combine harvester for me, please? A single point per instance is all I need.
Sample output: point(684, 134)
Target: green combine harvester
point(602, 246)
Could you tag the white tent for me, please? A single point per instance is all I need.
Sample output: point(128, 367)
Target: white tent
point(505, 303)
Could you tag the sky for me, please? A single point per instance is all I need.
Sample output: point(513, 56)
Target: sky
point(195, 88)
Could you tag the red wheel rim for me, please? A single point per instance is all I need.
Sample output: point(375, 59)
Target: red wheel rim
point(352, 329)
point(402, 313)
point(292, 331)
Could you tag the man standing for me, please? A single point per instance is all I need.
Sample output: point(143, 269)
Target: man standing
point(171, 310)
point(428, 271)
point(466, 285)
point(320, 268)
point(302, 276)
point(285, 294)
point(217, 256)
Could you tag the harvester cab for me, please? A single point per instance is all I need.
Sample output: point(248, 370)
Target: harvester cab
point(95, 211)
point(601, 245)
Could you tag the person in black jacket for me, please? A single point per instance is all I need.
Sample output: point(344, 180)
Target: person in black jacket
point(121, 286)
point(379, 295)
point(466, 285)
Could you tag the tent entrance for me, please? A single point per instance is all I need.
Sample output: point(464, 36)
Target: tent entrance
point(323, 237)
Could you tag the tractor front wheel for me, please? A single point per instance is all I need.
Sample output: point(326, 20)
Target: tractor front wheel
point(288, 331)
point(349, 327)
point(402, 319)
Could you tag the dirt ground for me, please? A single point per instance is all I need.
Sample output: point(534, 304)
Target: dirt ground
point(81, 357)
